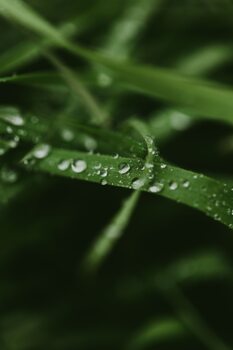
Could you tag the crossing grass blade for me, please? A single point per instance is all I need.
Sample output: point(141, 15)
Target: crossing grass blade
point(196, 96)
point(156, 332)
point(110, 235)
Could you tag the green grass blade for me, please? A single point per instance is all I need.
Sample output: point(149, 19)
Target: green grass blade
point(110, 235)
point(199, 267)
point(215, 199)
point(200, 97)
point(27, 51)
point(204, 60)
point(124, 33)
point(157, 332)
point(115, 229)
point(98, 116)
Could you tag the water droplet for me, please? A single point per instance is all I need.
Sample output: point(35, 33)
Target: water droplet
point(163, 166)
point(173, 185)
point(104, 80)
point(63, 164)
point(104, 172)
point(15, 120)
point(124, 168)
point(186, 184)
point(97, 166)
point(138, 183)
point(2, 151)
point(90, 143)
point(156, 187)
point(180, 121)
point(149, 166)
point(103, 182)
point(29, 161)
point(67, 135)
point(9, 130)
point(79, 166)
point(8, 175)
point(41, 151)
point(217, 217)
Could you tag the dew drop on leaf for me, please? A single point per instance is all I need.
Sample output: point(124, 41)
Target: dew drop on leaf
point(9, 175)
point(149, 166)
point(97, 166)
point(217, 217)
point(173, 185)
point(180, 121)
point(104, 172)
point(63, 165)
point(9, 130)
point(138, 183)
point(156, 187)
point(41, 151)
point(67, 135)
point(186, 184)
point(163, 166)
point(103, 182)
point(124, 168)
point(79, 166)
point(16, 120)
point(104, 80)
point(90, 143)
point(2, 151)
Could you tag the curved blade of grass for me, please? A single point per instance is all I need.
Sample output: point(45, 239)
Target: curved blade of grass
point(34, 131)
point(27, 51)
point(215, 198)
point(204, 60)
point(157, 332)
point(107, 239)
point(110, 235)
point(200, 97)
point(201, 266)
point(120, 40)
point(168, 122)
point(98, 116)
point(195, 190)
point(45, 80)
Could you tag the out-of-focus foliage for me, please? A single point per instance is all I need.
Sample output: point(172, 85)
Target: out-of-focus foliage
point(116, 183)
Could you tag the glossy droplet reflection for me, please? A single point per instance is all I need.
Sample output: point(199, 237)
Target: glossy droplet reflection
point(41, 151)
point(124, 168)
point(79, 166)
point(138, 183)
point(156, 187)
point(63, 165)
